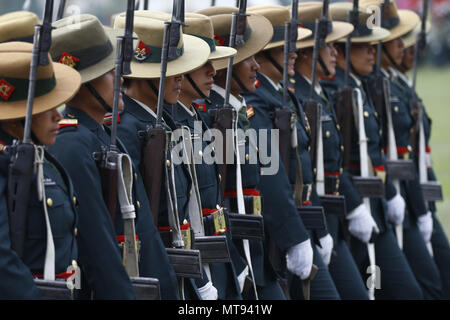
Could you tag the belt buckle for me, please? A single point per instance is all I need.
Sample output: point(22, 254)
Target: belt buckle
point(257, 205)
point(381, 174)
point(219, 220)
point(186, 236)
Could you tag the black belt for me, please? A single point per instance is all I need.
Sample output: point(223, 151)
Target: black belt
point(253, 204)
point(331, 184)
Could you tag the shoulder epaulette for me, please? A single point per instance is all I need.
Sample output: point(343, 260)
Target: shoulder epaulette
point(107, 120)
point(2, 146)
point(68, 123)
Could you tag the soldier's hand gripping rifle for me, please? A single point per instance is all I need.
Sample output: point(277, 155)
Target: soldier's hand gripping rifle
point(22, 153)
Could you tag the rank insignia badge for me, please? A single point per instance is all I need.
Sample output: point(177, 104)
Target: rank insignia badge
point(69, 60)
point(250, 111)
point(257, 84)
point(200, 107)
point(142, 52)
point(6, 89)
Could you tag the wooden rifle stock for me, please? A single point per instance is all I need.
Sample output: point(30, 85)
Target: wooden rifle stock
point(344, 114)
point(152, 166)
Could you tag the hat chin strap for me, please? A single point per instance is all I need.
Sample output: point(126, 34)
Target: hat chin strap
point(388, 55)
point(98, 97)
point(239, 82)
point(280, 69)
point(197, 89)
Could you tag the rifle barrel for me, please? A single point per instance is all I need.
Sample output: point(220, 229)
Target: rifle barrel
point(162, 82)
point(230, 59)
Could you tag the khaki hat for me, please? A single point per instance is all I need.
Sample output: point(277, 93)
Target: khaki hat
point(201, 26)
point(364, 34)
point(84, 44)
point(308, 12)
point(258, 33)
point(398, 22)
point(192, 52)
point(410, 38)
point(278, 15)
point(55, 84)
point(18, 26)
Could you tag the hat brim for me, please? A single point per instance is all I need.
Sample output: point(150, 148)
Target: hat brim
point(340, 30)
point(222, 52)
point(107, 64)
point(408, 21)
point(196, 54)
point(302, 33)
point(262, 32)
point(68, 82)
point(377, 35)
point(410, 39)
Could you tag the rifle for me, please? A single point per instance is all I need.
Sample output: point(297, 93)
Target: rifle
point(344, 95)
point(61, 8)
point(22, 153)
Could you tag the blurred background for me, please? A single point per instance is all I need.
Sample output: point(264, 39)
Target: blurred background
point(433, 80)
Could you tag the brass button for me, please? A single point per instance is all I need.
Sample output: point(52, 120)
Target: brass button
point(190, 193)
point(342, 147)
point(74, 199)
point(366, 114)
point(246, 157)
point(138, 204)
point(341, 170)
point(309, 148)
point(292, 80)
point(185, 221)
point(395, 109)
point(135, 176)
point(49, 202)
point(380, 132)
point(200, 153)
point(327, 134)
point(168, 163)
point(315, 170)
point(75, 232)
point(376, 114)
point(220, 177)
point(338, 127)
point(409, 148)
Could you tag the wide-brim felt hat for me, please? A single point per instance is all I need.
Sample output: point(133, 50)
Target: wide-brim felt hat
point(258, 33)
point(363, 34)
point(56, 83)
point(18, 26)
point(84, 44)
point(191, 51)
point(410, 38)
point(398, 21)
point(308, 12)
point(201, 26)
point(278, 15)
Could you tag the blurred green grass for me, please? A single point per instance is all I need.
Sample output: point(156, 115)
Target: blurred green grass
point(433, 86)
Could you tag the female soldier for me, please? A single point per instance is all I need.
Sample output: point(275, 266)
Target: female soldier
point(342, 267)
point(395, 284)
point(49, 244)
point(140, 112)
point(439, 241)
point(92, 53)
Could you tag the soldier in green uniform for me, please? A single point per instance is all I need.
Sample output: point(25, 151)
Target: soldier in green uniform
point(50, 246)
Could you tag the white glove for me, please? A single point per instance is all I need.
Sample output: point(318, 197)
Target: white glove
point(361, 223)
point(241, 278)
point(299, 259)
point(425, 224)
point(396, 209)
point(327, 246)
point(208, 292)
